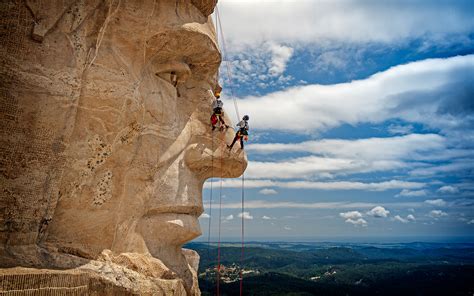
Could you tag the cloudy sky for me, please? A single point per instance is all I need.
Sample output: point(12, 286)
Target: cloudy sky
point(361, 116)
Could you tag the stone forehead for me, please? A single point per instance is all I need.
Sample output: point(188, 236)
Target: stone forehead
point(205, 6)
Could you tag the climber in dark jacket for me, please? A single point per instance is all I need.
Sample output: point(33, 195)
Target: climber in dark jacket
point(242, 132)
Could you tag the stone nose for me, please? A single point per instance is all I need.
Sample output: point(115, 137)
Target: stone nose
point(211, 157)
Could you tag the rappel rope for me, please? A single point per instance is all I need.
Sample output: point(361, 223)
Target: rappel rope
point(210, 204)
point(224, 55)
point(229, 76)
point(219, 238)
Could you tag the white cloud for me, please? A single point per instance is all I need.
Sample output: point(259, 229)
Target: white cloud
point(205, 216)
point(351, 215)
point(230, 217)
point(407, 147)
point(378, 212)
point(267, 191)
point(317, 166)
point(400, 219)
point(318, 21)
point(420, 91)
point(357, 222)
point(436, 202)
point(287, 228)
point(263, 204)
point(448, 189)
point(280, 56)
point(267, 218)
point(458, 165)
point(437, 214)
point(331, 59)
point(338, 185)
point(470, 222)
point(397, 129)
point(409, 218)
point(332, 157)
point(246, 216)
point(412, 193)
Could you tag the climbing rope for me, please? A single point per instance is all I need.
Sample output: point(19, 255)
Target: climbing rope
point(224, 56)
point(219, 236)
point(210, 204)
point(242, 237)
point(229, 77)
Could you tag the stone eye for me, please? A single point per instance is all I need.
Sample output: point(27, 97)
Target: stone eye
point(173, 72)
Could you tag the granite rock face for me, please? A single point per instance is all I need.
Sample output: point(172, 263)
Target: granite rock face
point(105, 141)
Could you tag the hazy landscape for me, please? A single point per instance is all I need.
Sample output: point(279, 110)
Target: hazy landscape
point(283, 268)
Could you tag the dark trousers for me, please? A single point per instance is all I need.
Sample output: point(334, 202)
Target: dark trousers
point(238, 136)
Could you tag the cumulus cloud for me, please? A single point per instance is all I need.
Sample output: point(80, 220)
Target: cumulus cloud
point(448, 189)
point(437, 214)
point(351, 215)
point(246, 216)
point(230, 217)
point(205, 216)
point(435, 92)
point(336, 185)
point(357, 222)
point(411, 193)
point(378, 212)
point(342, 21)
point(267, 191)
point(409, 218)
point(400, 219)
point(280, 56)
point(436, 202)
point(267, 218)
point(287, 227)
point(470, 221)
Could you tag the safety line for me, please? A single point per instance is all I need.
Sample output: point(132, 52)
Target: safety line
point(242, 236)
point(219, 236)
point(224, 56)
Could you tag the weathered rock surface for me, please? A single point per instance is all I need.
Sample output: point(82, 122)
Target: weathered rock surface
point(105, 144)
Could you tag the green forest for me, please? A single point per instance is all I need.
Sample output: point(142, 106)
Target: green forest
point(315, 269)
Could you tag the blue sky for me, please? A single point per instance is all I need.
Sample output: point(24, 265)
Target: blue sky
point(361, 116)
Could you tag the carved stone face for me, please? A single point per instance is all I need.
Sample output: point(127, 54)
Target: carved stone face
point(136, 170)
point(129, 129)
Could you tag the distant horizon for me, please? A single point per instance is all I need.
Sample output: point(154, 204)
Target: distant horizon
point(337, 239)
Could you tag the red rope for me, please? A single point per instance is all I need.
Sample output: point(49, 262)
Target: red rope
point(242, 236)
point(219, 237)
point(210, 203)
